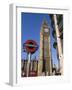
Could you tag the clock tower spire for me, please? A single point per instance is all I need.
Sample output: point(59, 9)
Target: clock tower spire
point(45, 64)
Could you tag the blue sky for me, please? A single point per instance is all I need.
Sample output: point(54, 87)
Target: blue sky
point(30, 29)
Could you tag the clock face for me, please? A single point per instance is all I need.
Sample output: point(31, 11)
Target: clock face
point(46, 29)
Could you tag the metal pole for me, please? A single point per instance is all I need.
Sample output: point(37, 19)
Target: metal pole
point(28, 63)
point(59, 44)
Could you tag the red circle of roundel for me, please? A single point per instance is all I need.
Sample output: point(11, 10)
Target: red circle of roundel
point(31, 46)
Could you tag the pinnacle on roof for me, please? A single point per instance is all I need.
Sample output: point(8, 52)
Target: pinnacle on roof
point(45, 22)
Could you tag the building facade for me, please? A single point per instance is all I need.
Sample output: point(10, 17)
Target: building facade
point(33, 68)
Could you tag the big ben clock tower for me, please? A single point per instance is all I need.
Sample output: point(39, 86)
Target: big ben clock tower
point(45, 64)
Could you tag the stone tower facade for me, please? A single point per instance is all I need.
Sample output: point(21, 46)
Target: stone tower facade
point(45, 64)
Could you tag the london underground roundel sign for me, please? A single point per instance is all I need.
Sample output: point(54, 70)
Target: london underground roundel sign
point(30, 46)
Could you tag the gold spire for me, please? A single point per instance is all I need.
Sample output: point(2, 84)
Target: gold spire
point(44, 21)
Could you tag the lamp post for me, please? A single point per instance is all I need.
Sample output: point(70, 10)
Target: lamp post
point(58, 44)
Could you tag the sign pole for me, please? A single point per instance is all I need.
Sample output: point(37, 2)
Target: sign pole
point(28, 63)
point(31, 47)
